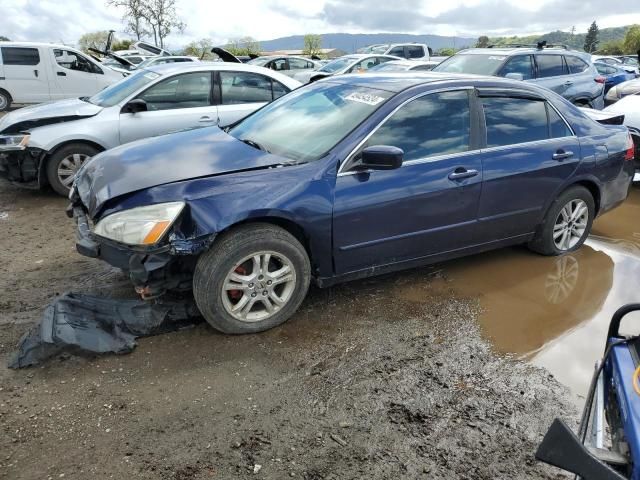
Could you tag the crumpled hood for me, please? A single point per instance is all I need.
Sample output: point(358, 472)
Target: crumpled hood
point(166, 159)
point(60, 110)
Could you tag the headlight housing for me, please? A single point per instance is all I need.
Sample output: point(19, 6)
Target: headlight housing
point(144, 226)
point(14, 142)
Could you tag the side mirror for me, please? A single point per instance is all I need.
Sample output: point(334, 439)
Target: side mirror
point(381, 157)
point(134, 106)
point(514, 76)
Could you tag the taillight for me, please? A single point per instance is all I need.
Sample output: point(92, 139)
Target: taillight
point(600, 79)
point(629, 154)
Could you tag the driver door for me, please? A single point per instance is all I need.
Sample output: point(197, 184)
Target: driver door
point(176, 103)
point(427, 206)
point(74, 75)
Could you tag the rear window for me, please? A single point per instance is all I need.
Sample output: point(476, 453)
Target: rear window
point(514, 120)
point(550, 66)
point(20, 56)
point(415, 51)
point(576, 65)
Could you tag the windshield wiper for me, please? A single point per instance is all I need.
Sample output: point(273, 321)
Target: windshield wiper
point(253, 144)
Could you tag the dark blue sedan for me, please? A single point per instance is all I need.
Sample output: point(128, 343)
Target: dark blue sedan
point(346, 178)
point(613, 74)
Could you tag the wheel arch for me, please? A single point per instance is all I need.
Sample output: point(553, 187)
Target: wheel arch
point(46, 156)
point(589, 184)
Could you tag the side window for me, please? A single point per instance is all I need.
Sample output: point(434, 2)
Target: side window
point(397, 51)
point(244, 87)
point(557, 126)
point(188, 90)
point(298, 64)
point(514, 120)
point(366, 64)
point(73, 61)
point(279, 65)
point(435, 124)
point(575, 64)
point(415, 51)
point(550, 66)
point(20, 56)
point(278, 89)
point(519, 64)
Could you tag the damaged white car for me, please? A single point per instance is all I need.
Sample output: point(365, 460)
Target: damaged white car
point(47, 144)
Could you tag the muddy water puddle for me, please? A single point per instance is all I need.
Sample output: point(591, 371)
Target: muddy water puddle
point(554, 311)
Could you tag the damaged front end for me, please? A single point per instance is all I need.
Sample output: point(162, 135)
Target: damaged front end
point(19, 163)
point(165, 265)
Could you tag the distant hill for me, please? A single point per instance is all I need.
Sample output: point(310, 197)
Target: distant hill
point(351, 42)
point(575, 41)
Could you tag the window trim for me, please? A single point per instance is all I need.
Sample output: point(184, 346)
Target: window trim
point(474, 146)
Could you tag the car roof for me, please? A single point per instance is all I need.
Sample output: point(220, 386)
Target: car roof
point(412, 63)
point(36, 44)
point(398, 81)
point(515, 50)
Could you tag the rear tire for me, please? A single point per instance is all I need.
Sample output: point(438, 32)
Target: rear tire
point(65, 162)
point(567, 223)
point(252, 279)
point(5, 101)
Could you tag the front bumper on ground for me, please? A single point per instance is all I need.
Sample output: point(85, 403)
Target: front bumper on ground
point(152, 271)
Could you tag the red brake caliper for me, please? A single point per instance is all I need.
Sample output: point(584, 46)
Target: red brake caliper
point(237, 294)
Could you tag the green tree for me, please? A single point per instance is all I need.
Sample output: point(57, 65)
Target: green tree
point(446, 52)
point(121, 45)
point(632, 40)
point(243, 46)
point(3, 38)
point(97, 40)
point(612, 47)
point(200, 49)
point(591, 40)
point(312, 45)
point(483, 42)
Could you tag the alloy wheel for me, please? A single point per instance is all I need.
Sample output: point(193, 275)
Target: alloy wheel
point(258, 286)
point(69, 166)
point(4, 101)
point(563, 280)
point(570, 225)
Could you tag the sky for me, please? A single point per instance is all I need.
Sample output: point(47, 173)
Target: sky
point(65, 21)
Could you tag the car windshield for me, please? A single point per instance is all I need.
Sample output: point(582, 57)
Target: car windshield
point(337, 64)
point(260, 61)
point(305, 124)
point(472, 63)
point(117, 92)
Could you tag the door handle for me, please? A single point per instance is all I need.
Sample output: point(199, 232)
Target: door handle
point(562, 155)
point(205, 119)
point(35, 72)
point(568, 83)
point(462, 173)
point(62, 74)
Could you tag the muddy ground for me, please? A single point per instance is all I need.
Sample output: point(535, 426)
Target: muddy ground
point(384, 378)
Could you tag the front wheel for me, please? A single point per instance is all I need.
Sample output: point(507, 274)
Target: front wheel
point(252, 279)
point(5, 101)
point(65, 163)
point(567, 224)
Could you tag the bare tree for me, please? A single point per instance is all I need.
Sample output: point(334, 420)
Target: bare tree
point(97, 40)
point(162, 19)
point(133, 16)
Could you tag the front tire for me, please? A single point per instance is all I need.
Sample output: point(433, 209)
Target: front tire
point(253, 278)
point(65, 163)
point(567, 223)
point(5, 101)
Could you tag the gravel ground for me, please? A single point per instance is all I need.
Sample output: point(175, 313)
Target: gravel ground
point(383, 378)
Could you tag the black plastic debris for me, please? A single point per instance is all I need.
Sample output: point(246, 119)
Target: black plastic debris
point(85, 324)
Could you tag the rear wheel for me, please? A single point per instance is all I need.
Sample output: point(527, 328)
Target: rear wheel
point(5, 101)
point(253, 279)
point(567, 224)
point(65, 163)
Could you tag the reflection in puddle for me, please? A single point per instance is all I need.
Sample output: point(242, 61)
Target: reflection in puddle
point(555, 311)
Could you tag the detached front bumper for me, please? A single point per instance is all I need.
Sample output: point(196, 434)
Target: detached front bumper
point(152, 271)
point(22, 167)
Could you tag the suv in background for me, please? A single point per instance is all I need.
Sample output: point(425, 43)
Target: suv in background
point(410, 51)
point(567, 72)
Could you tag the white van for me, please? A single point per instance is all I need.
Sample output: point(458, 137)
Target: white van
point(39, 72)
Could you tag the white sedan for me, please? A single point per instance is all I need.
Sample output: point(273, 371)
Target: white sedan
point(47, 143)
point(629, 106)
point(356, 63)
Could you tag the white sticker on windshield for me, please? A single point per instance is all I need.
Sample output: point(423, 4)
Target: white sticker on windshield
point(494, 57)
point(151, 75)
point(367, 98)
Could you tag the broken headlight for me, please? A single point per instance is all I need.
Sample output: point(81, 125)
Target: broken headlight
point(140, 225)
point(14, 142)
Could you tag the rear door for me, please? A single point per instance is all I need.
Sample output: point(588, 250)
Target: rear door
point(240, 93)
point(427, 206)
point(175, 103)
point(25, 74)
point(530, 153)
point(73, 74)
